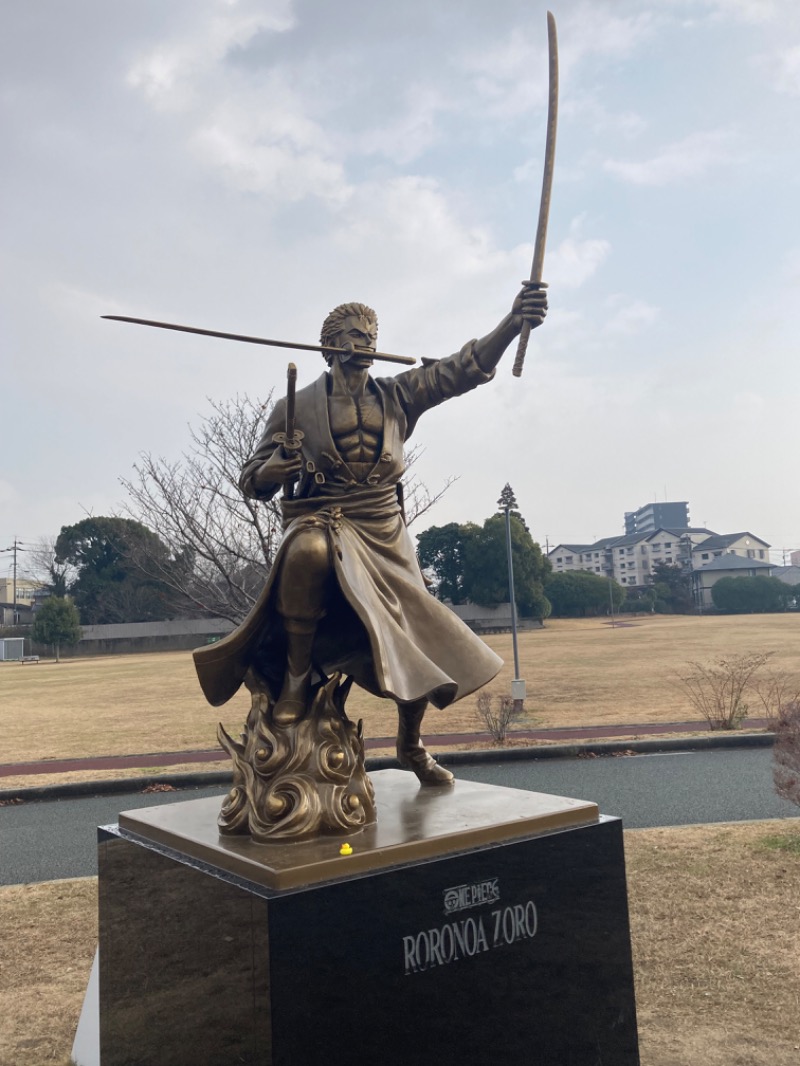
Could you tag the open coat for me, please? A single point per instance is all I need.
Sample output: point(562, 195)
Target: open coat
point(381, 626)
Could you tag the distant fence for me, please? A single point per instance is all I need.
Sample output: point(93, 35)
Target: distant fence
point(490, 619)
point(126, 638)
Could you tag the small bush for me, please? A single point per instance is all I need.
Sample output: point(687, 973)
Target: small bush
point(719, 690)
point(496, 713)
point(776, 690)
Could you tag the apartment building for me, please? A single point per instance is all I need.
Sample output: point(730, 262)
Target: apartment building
point(655, 516)
point(25, 591)
point(630, 559)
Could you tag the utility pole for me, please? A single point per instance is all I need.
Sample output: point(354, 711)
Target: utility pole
point(507, 503)
point(15, 547)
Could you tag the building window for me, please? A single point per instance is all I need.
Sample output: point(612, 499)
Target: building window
point(704, 555)
point(761, 554)
point(567, 558)
point(559, 560)
point(751, 553)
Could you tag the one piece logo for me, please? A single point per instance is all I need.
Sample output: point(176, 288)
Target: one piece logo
point(464, 897)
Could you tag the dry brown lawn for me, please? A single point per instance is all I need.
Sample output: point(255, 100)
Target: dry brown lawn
point(579, 673)
point(716, 943)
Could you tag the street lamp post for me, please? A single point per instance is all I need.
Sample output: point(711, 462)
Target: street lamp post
point(508, 501)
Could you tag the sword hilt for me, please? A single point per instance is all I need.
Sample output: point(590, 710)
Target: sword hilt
point(522, 347)
point(291, 440)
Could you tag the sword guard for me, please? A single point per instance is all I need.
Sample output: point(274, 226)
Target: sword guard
point(291, 444)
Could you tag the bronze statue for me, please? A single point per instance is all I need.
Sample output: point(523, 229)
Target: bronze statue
point(346, 596)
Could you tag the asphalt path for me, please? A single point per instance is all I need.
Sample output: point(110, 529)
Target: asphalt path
point(45, 840)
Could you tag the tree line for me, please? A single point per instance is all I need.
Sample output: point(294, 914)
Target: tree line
point(188, 544)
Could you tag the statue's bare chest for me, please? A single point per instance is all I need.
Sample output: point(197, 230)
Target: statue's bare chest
point(356, 426)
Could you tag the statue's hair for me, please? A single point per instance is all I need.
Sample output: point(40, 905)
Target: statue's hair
point(335, 320)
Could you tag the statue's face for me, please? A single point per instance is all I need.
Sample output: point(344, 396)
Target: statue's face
point(361, 332)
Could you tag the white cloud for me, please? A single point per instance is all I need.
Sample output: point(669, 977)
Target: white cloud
point(629, 317)
point(784, 71)
point(256, 130)
point(572, 262)
point(596, 29)
point(689, 158)
point(265, 143)
point(511, 75)
point(168, 74)
point(601, 120)
point(745, 10)
point(404, 138)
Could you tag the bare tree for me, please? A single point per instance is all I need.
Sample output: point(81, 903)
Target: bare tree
point(719, 690)
point(41, 566)
point(195, 506)
point(777, 689)
point(417, 498)
point(496, 713)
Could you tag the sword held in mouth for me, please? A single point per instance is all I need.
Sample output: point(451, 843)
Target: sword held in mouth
point(384, 357)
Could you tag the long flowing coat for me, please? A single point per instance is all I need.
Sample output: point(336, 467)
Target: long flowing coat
point(381, 626)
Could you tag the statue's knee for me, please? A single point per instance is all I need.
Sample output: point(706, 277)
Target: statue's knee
point(308, 556)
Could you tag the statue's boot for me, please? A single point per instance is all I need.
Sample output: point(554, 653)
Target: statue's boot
point(411, 753)
point(302, 587)
point(293, 700)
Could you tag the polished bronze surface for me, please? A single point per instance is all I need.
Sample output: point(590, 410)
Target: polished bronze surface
point(547, 182)
point(413, 824)
point(408, 360)
point(297, 778)
point(291, 438)
point(345, 594)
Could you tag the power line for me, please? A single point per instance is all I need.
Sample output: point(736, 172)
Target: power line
point(17, 546)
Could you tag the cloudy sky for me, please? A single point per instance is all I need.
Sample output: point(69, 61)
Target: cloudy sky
point(246, 165)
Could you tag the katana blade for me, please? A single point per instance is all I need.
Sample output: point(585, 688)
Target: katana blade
point(384, 357)
point(547, 183)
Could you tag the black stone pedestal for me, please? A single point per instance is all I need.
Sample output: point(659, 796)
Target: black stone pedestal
point(427, 950)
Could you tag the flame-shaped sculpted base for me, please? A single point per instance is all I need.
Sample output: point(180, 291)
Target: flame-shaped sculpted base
point(301, 779)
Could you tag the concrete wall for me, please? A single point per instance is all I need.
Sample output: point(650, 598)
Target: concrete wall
point(127, 638)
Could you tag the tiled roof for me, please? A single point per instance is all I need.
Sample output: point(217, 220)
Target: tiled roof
point(723, 540)
point(728, 561)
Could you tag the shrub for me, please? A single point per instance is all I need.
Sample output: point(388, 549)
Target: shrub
point(496, 713)
point(718, 690)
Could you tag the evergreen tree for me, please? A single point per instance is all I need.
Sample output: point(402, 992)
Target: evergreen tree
point(57, 622)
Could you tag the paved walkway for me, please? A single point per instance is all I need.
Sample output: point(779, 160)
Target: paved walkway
point(433, 740)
